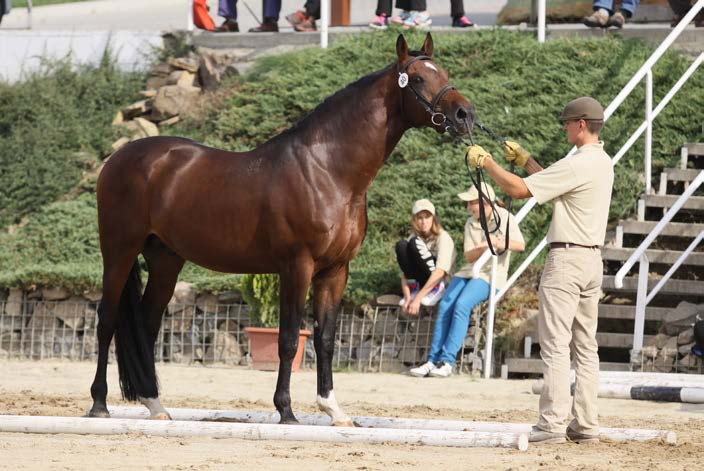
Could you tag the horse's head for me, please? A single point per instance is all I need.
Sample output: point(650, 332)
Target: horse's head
point(428, 99)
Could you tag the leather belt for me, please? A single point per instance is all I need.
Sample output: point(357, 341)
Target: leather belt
point(567, 245)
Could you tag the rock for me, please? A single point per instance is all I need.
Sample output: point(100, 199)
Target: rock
point(185, 63)
point(222, 348)
point(172, 100)
point(240, 68)
point(72, 312)
point(154, 83)
point(43, 318)
point(170, 121)
point(680, 318)
point(181, 77)
point(11, 342)
point(140, 127)
point(386, 326)
point(93, 295)
point(137, 109)
point(409, 353)
point(13, 305)
point(55, 294)
point(119, 118)
point(686, 336)
point(650, 351)
point(36, 294)
point(119, 143)
point(230, 297)
point(660, 340)
point(664, 361)
point(207, 302)
point(388, 300)
point(690, 361)
point(685, 348)
point(182, 321)
point(184, 295)
point(161, 70)
point(150, 93)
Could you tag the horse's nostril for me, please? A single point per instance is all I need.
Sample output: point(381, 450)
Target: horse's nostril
point(461, 114)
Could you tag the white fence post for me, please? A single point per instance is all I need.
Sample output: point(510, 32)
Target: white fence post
point(541, 21)
point(189, 15)
point(648, 129)
point(638, 330)
point(490, 320)
point(325, 21)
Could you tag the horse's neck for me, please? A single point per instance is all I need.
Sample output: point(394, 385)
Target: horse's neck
point(361, 127)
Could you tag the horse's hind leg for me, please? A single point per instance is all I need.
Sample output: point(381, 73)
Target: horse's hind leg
point(116, 270)
point(295, 280)
point(164, 266)
point(328, 287)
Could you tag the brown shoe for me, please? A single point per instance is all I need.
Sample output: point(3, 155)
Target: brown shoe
point(306, 25)
point(228, 26)
point(266, 27)
point(296, 18)
point(596, 20)
point(616, 20)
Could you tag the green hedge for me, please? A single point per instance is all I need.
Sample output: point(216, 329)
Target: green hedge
point(518, 87)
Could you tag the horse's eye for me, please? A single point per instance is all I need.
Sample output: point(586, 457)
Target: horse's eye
point(417, 79)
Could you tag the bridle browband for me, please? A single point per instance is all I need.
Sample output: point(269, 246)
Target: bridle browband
point(450, 127)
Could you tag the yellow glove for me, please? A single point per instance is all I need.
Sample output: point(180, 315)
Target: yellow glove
point(476, 156)
point(516, 153)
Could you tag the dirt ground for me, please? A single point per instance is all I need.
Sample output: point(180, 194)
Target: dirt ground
point(62, 388)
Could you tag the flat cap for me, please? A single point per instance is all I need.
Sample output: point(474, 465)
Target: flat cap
point(584, 107)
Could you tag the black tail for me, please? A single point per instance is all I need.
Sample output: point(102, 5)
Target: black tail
point(135, 352)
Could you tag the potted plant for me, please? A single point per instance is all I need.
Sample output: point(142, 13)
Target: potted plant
point(261, 292)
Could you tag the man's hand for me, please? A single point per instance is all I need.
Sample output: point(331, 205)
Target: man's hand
point(516, 153)
point(476, 155)
point(414, 308)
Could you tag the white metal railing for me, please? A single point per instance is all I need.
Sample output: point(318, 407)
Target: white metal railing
point(650, 115)
point(643, 298)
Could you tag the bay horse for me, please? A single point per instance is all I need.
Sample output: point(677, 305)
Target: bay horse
point(296, 206)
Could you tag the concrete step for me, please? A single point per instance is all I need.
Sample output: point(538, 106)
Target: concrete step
point(666, 201)
point(695, 148)
point(677, 229)
point(680, 174)
point(620, 311)
point(672, 287)
point(604, 339)
point(535, 365)
point(655, 256)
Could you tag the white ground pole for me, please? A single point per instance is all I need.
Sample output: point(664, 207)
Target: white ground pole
point(246, 431)
point(633, 376)
point(377, 423)
point(687, 394)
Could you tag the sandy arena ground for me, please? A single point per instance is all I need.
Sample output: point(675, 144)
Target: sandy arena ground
point(62, 388)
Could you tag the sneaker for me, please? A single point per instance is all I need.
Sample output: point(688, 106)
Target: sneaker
point(418, 19)
point(596, 20)
point(423, 370)
point(306, 25)
point(541, 436)
point(400, 19)
point(461, 22)
point(616, 20)
point(443, 370)
point(296, 18)
point(414, 288)
point(578, 437)
point(435, 295)
point(380, 22)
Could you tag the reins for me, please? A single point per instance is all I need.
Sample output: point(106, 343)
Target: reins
point(477, 180)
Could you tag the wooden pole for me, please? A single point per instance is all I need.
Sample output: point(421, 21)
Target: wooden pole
point(340, 14)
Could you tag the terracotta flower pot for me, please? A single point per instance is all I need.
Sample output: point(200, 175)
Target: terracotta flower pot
point(264, 348)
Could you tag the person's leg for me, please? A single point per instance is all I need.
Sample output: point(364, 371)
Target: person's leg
point(444, 316)
point(227, 9)
point(417, 5)
point(456, 8)
point(605, 4)
point(421, 259)
point(585, 348)
point(628, 7)
point(312, 8)
point(474, 292)
point(559, 297)
point(383, 7)
point(602, 11)
point(272, 9)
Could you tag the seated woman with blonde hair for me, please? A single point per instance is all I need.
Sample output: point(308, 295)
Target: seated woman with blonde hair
point(465, 292)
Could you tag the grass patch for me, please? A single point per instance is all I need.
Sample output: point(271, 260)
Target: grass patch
point(41, 3)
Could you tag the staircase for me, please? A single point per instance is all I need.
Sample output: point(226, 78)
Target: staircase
point(617, 307)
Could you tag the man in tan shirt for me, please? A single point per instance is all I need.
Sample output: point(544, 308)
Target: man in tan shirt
point(580, 187)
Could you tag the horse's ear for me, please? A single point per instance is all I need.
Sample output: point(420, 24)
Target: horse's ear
point(427, 48)
point(401, 48)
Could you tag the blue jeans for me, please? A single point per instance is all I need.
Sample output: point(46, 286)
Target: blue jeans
point(228, 9)
point(626, 5)
point(453, 317)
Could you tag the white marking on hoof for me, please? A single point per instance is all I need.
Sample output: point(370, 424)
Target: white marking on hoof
point(156, 411)
point(330, 407)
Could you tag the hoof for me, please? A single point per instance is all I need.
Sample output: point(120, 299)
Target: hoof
point(160, 416)
point(344, 423)
point(292, 421)
point(100, 413)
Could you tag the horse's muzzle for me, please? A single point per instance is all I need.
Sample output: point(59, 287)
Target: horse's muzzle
point(463, 118)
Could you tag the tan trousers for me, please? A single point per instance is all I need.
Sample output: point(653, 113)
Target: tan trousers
point(569, 295)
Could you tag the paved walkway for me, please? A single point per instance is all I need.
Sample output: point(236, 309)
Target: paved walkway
point(162, 15)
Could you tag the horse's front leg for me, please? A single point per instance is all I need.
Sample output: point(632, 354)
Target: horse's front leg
point(327, 293)
point(295, 280)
